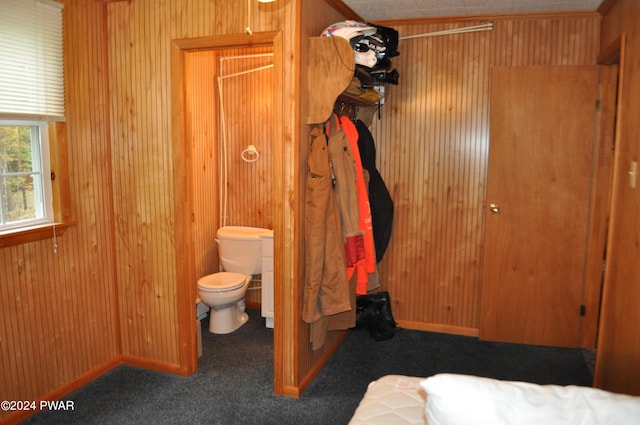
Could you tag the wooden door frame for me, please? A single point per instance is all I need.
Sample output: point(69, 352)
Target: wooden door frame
point(612, 355)
point(601, 193)
point(184, 198)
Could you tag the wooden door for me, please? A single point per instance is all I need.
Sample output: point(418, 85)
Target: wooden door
point(537, 204)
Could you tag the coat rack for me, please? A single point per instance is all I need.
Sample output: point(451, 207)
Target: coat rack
point(474, 28)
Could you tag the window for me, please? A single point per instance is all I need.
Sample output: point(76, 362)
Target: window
point(25, 182)
point(32, 110)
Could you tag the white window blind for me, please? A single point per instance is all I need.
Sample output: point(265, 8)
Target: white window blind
point(32, 68)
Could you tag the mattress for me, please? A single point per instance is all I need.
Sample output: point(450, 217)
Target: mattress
point(392, 399)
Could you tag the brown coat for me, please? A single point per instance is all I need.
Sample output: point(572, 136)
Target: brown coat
point(326, 290)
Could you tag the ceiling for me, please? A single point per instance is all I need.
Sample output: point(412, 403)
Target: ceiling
point(375, 10)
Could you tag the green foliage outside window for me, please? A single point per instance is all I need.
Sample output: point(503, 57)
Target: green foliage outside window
point(17, 194)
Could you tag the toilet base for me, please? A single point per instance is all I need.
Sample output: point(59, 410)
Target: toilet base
point(228, 319)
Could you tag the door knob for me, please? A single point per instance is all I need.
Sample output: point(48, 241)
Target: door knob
point(494, 208)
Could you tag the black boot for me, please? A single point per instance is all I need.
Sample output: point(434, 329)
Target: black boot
point(366, 309)
point(379, 328)
point(383, 304)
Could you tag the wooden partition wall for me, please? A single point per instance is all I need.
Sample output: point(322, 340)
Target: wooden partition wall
point(145, 105)
point(316, 16)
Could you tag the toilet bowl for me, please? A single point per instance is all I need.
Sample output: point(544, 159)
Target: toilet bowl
point(240, 253)
point(224, 293)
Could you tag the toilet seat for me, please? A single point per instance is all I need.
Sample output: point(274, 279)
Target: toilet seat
point(221, 282)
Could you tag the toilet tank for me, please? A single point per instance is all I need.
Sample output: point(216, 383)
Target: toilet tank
point(240, 248)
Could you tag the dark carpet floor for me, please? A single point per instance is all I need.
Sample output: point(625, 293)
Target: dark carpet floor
point(234, 383)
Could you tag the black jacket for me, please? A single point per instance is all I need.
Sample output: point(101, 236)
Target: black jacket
point(380, 200)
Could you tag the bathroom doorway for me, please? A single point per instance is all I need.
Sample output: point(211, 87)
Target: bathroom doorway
point(247, 105)
point(229, 97)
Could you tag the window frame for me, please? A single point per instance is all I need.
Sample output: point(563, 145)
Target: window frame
point(63, 214)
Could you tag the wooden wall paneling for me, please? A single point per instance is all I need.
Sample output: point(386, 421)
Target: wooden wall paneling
point(432, 145)
point(437, 107)
point(248, 102)
point(87, 139)
point(59, 313)
point(143, 188)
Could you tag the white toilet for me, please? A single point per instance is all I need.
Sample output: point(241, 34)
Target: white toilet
point(240, 250)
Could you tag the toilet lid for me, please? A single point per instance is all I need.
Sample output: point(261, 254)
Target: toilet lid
point(221, 282)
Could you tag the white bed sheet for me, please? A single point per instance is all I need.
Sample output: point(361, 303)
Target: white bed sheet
point(392, 399)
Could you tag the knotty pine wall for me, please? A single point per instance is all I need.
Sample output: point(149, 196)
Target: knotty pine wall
point(59, 311)
point(432, 147)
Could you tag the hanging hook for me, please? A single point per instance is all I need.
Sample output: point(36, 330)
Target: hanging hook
point(353, 112)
